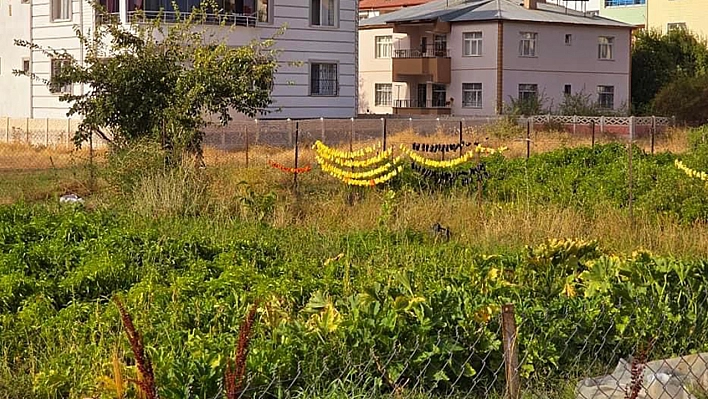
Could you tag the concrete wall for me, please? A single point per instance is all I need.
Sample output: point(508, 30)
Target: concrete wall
point(691, 12)
point(557, 64)
point(298, 46)
point(14, 90)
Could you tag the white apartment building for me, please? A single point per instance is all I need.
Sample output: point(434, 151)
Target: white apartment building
point(316, 77)
point(451, 57)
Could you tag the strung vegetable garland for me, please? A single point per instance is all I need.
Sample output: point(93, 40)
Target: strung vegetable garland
point(376, 181)
point(356, 163)
point(431, 163)
point(290, 170)
point(474, 174)
point(345, 174)
point(693, 173)
point(321, 148)
point(426, 147)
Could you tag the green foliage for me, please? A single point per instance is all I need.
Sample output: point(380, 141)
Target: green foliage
point(394, 305)
point(658, 59)
point(686, 98)
point(580, 103)
point(160, 89)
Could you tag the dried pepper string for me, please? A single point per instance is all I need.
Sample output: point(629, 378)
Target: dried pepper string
point(290, 170)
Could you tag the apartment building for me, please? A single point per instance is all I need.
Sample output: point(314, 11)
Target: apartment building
point(633, 12)
point(316, 78)
point(471, 57)
point(665, 15)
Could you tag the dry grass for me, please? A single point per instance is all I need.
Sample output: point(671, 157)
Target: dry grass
point(323, 204)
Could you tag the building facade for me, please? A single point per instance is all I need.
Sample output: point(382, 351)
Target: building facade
point(475, 58)
point(316, 77)
point(664, 15)
point(633, 12)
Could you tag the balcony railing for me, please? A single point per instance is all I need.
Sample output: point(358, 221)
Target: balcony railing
point(415, 103)
point(430, 51)
point(248, 20)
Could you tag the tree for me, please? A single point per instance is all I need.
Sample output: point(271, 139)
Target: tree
point(158, 82)
point(658, 59)
point(686, 98)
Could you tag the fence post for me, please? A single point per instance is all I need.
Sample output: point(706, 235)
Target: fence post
point(68, 130)
point(438, 130)
point(383, 128)
point(322, 128)
point(7, 132)
point(258, 132)
point(91, 173)
point(629, 169)
point(602, 124)
point(575, 124)
point(27, 130)
point(290, 132)
point(410, 124)
point(46, 133)
point(653, 133)
point(223, 139)
point(351, 137)
point(511, 352)
point(528, 138)
point(297, 139)
point(461, 141)
point(245, 135)
point(593, 133)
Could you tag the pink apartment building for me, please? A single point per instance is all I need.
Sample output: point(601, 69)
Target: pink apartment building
point(451, 57)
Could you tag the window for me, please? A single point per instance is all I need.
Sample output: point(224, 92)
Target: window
point(439, 95)
point(527, 44)
point(472, 95)
point(323, 79)
point(25, 65)
point(568, 39)
point(675, 26)
point(384, 45)
point(605, 46)
point(472, 44)
point(57, 66)
point(528, 91)
point(440, 45)
point(383, 95)
point(606, 97)
point(323, 12)
point(567, 90)
point(61, 10)
point(25, 1)
point(615, 3)
point(263, 10)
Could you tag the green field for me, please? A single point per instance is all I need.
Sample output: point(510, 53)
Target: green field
point(357, 296)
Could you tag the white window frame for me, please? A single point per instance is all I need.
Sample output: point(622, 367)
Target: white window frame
point(472, 43)
point(528, 44)
point(334, 91)
point(322, 12)
point(605, 48)
point(603, 90)
point(383, 94)
point(475, 92)
point(62, 14)
point(383, 46)
point(526, 88)
point(54, 65)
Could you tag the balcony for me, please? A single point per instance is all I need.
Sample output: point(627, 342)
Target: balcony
point(421, 107)
point(432, 62)
point(146, 10)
